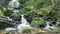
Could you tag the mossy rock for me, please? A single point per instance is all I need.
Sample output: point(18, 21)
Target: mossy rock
point(26, 31)
point(8, 12)
point(41, 21)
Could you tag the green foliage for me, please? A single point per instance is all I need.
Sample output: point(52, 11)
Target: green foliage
point(41, 22)
point(17, 0)
point(8, 12)
point(1, 13)
point(34, 8)
point(26, 31)
point(33, 3)
point(34, 23)
point(24, 11)
point(43, 11)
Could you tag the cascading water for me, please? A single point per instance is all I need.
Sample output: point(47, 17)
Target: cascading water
point(13, 4)
point(24, 25)
point(9, 18)
point(14, 0)
point(16, 11)
point(10, 29)
point(48, 27)
point(23, 20)
point(57, 22)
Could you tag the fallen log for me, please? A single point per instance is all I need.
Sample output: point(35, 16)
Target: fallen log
point(11, 22)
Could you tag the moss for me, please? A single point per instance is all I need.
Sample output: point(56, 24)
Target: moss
point(8, 12)
point(26, 31)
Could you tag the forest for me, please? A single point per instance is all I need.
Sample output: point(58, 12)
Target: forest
point(30, 16)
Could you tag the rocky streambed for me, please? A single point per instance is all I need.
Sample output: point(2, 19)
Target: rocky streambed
point(32, 31)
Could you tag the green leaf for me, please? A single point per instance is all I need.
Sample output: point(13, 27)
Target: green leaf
point(41, 21)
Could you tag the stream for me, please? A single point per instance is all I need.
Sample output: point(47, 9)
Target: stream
point(25, 24)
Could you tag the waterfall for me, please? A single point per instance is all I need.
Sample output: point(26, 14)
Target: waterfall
point(9, 18)
point(23, 20)
point(16, 11)
point(24, 25)
point(48, 27)
point(9, 29)
point(14, 0)
point(14, 4)
point(57, 22)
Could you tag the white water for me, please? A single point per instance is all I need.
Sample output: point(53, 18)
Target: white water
point(9, 18)
point(23, 20)
point(24, 25)
point(16, 11)
point(57, 22)
point(13, 4)
point(10, 29)
point(14, 0)
point(48, 27)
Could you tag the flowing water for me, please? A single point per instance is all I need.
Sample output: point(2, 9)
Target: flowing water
point(14, 4)
point(24, 24)
point(9, 18)
point(48, 27)
point(23, 20)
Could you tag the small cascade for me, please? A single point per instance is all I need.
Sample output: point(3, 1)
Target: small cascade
point(16, 11)
point(48, 27)
point(10, 29)
point(14, 4)
point(14, 0)
point(24, 25)
point(9, 18)
point(23, 20)
point(57, 22)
